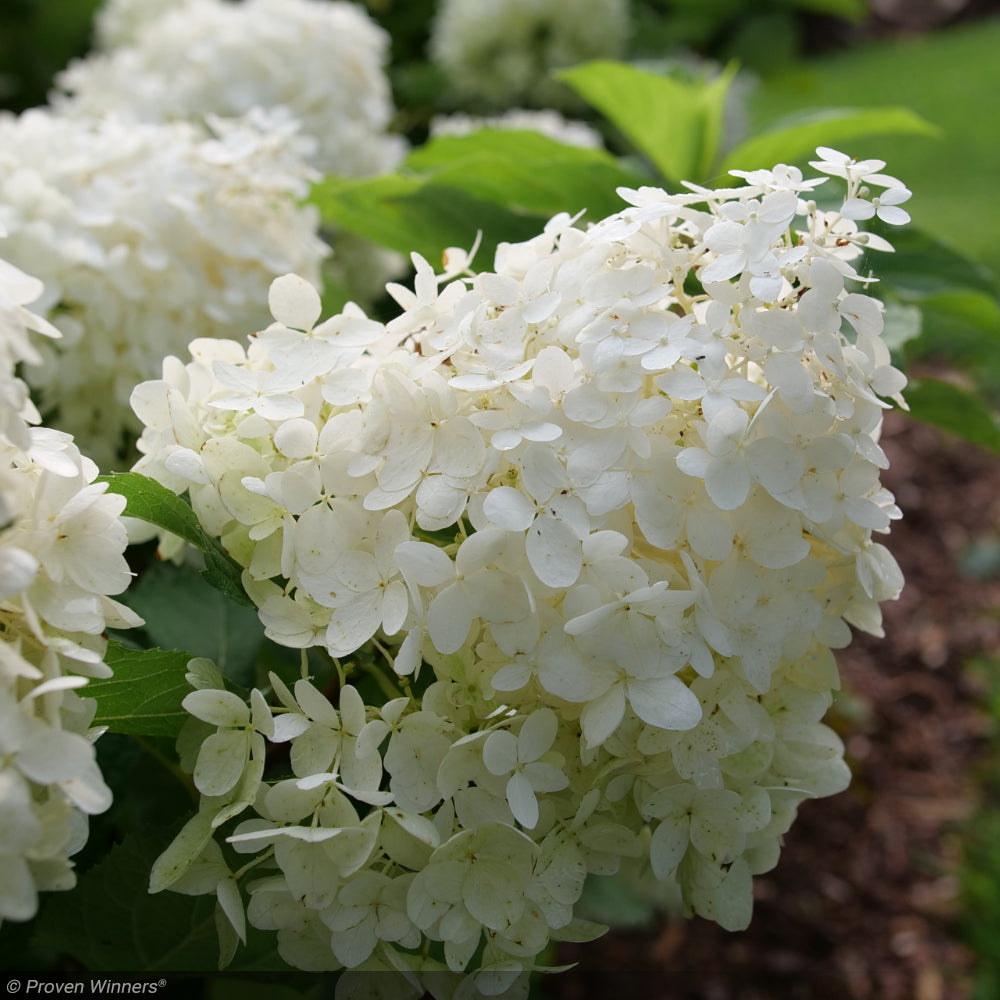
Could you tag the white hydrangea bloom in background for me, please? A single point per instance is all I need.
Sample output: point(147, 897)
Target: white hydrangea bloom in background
point(319, 64)
point(144, 236)
point(545, 121)
point(312, 67)
point(120, 22)
point(61, 545)
point(596, 519)
point(499, 52)
point(18, 290)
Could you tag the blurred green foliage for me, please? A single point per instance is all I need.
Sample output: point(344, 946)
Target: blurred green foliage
point(37, 39)
point(759, 35)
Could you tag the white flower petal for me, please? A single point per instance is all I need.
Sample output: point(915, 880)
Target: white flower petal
point(449, 619)
point(601, 717)
point(537, 734)
point(509, 509)
point(522, 801)
point(218, 708)
point(500, 752)
point(554, 552)
point(665, 702)
point(294, 302)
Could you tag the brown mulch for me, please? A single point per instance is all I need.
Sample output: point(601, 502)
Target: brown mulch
point(863, 904)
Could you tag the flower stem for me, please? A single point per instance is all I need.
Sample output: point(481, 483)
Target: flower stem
point(382, 679)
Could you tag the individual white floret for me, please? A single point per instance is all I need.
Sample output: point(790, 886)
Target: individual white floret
point(520, 757)
point(371, 907)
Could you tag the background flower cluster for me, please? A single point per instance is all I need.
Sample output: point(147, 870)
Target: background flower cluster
point(158, 205)
point(61, 557)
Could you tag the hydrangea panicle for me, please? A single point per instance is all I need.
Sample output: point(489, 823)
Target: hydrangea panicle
point(238, 58)
point(604, 512)
point(61, 559)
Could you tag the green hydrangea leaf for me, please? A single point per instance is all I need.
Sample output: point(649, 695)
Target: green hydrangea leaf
point(962, 331)
point(977, 310)
point(924, 265)
point(224, 574)
point(183, 612)
point(410, 214)
point(793, 139)
point(110, 922)
point(955, 410)
point(144, 696)
point(504, 184)
point(527, 172)
point(676, 123)
point(150, 501)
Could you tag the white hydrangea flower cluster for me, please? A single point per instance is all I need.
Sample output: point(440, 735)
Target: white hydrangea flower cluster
point(145, 235)
point(499, 52)
point(545, 121)
point(120, 22)
point(605, 511)
point(315, 62)
point(61, 545)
